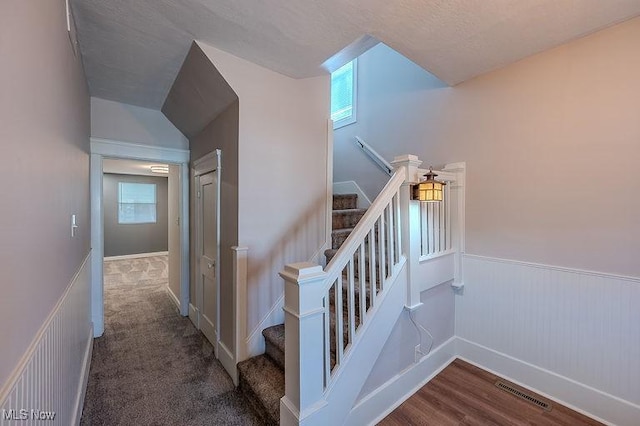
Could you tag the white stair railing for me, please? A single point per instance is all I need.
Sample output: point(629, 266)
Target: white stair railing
point(360, 271)
point(321, 325)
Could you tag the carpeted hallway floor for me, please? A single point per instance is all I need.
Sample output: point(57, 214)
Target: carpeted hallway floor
point(151, 366)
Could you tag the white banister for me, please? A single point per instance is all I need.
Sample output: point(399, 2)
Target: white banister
point(304, 344)
point(333, 316)
point(365, 225)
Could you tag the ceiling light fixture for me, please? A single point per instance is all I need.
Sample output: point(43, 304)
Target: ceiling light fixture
point(428, 190)
point(160, 169)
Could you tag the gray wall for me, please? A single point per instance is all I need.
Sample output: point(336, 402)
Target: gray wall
point(134, 124)
point(221, 133)
point(123, 239)
point(44, 110)
point(203, 105)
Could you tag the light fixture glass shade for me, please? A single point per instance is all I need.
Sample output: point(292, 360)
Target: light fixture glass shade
point(159, 169)
point(429, 190)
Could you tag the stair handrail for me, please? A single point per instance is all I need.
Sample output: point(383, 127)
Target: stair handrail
point(364, 226)
point(373, 154)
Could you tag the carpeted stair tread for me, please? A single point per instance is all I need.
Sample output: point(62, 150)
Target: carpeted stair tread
point(347, 218)
point(262, 382)
point(274, 343)
point(338, 236)
point(345, 201)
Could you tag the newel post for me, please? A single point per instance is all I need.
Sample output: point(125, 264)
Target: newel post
point(410, 215)
point(304, 342)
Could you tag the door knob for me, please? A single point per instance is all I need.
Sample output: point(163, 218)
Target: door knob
point(210, 265)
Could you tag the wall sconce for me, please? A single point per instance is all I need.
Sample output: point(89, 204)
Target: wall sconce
point(160, 169)
point(428, 190)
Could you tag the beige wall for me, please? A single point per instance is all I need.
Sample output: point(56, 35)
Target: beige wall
point(551, 145)
point(44, 107)
point(129, 123)
point(282, 172)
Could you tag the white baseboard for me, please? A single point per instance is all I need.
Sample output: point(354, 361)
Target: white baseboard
point(137, 255)
point(378, 404)
point(351, 187)
point(193, 315)
point(591, 402)
point(173, 297)
point(226, 358)
point(86, 364)
point(255, 341)
point(209, 330)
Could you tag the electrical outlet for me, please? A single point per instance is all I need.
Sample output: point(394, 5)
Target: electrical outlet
point(418, 354)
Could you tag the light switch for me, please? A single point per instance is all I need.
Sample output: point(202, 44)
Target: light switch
point(74, 225)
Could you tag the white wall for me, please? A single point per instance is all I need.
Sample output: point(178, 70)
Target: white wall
point(436, 315)
point(129, 123)
point(45, 171)
point(551, 145)
point(282, 172)
point(532, 134)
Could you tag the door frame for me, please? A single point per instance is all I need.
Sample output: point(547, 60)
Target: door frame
point(211, 162)
point(106, 148)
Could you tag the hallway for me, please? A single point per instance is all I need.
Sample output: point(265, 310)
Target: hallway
point(151, 366)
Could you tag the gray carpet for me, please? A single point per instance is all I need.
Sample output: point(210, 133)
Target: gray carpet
point(151, 366)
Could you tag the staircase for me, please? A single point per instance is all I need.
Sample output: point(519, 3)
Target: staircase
point(261, 378)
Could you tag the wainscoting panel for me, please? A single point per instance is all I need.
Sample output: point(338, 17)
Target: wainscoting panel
point(50, 381)
point(580, 325)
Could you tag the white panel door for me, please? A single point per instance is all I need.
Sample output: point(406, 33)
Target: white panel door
point(208, 253)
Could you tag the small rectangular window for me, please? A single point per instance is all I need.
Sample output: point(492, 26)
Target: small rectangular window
point(343, 94)
point(136, 202)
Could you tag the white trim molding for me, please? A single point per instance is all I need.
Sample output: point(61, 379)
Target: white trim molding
point(136, 256)
point(255, 341)
point(119, 149)
point(58, 358)
point(173, 297)
point(240, 301)
point(566, 269)
point(589, 401)
point(374, 407)
point(568, 334)
point(105, 148)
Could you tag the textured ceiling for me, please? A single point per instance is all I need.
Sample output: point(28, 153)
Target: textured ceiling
point(133, 49)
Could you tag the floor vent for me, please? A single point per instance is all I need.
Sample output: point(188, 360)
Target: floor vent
point(523, 395)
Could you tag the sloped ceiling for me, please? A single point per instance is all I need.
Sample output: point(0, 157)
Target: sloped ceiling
point(132, 50)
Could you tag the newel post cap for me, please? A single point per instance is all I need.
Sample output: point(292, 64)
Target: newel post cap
point(408, 159)
point(302, 272)
point(411, 164)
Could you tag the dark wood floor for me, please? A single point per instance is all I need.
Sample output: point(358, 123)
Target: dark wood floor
point(463, 394)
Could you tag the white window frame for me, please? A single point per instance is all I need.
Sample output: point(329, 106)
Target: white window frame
point(354, 109)
point(155, 203)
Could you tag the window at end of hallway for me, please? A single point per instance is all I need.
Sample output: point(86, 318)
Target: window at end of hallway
point(136, 202)
point(343, 94)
